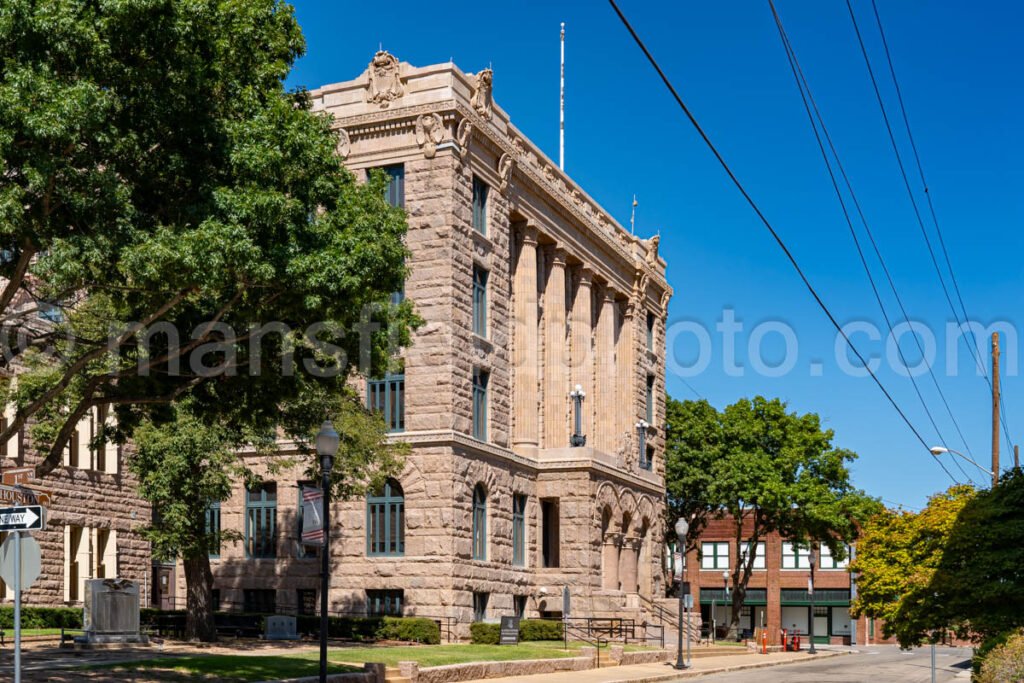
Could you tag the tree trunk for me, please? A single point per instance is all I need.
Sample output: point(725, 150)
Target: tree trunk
point(199, 603)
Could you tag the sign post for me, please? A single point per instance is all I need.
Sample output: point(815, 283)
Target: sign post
point(19, 562)
point(509, 634)
point(566, 604)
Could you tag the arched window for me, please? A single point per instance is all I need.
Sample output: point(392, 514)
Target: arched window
point(479, 522)
point(385, 520)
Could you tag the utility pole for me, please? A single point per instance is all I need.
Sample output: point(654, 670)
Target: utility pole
point(1016, 457)
point(995, 408)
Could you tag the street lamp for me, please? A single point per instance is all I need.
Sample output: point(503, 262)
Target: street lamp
point(578, 437)
point(641, 435)
point(682, 528)
point(813, 557)
point(939, 450)
point(326, 446)
point(725, 583)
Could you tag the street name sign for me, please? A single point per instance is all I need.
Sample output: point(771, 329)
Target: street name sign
point(22, 518)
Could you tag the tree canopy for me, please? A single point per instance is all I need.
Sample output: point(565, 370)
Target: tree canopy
point(768, 470)
point(955, 565)
point(175, 223)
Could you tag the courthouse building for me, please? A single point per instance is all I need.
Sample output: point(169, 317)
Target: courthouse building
point(528, 289)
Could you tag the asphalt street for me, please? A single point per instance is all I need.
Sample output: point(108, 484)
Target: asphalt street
point(879, 664)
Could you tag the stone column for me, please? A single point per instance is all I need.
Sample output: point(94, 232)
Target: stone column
point(582, 348)
point(524, 348)
point(556, 361)
point(610, 561)
point(627, 565)
point(606, 409)
point(626, 400)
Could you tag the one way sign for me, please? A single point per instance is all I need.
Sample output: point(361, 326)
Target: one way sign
point(23, 518)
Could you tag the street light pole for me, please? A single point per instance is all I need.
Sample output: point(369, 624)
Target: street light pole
point(682, 528)
point(725, 583)
point(810, 586)
point(326, 446)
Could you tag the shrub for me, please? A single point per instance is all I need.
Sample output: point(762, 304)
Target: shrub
point(540, 629)
point(986, 646)
point(412, 629)
point(42, 617)
point(484, 634)
point(1004, 662)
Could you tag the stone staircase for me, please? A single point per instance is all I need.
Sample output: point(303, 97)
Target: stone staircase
point(665, 612)
point(393, 675)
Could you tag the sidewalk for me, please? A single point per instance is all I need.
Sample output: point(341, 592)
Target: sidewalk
point(645, 673)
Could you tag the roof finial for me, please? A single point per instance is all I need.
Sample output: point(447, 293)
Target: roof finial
point(632, 217)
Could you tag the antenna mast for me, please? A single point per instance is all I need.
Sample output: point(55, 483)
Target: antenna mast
point(632, 218)
point(561, 108)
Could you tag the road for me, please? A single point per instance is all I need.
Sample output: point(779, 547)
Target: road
point(880, 664)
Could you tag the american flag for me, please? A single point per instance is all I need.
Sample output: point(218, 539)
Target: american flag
point(312, 516)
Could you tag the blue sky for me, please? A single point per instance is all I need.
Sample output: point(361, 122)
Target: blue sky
point(960, 72)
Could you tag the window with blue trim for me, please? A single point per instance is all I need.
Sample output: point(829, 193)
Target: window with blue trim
point(213, 528)
point(395, 192)
point(479, 522)
point(384, 603)
point(387, 397)
point(385, 520)
point(261, 521)
point(480, 380)
point(519, 530)
point(480, 191)
point(480, 301)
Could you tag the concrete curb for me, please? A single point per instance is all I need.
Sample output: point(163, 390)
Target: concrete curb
point(675, 675)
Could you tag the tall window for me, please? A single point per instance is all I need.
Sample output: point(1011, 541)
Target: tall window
point(384, 603)
point(480, 606)
point(650, 399)
point(387, 397)
point(714, 555)
point(828, 561)
point(261, 521)
point(650, 331)
point(479, 522)
point(385, 520)
point(519, 530)
point(213, 528)
point(395, 192)
point(758, 556)
point(795, 558)
point(480, 191)
point(519, 605)
point(480, 379)
point(305, 600)
point(479, 301)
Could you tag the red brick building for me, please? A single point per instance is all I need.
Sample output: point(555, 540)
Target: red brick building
point(777, 595)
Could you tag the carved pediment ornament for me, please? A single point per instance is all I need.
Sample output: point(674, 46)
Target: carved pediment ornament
point(344, 143)
point(481, 99)
point(429, 133)
point(505, 165)
point(462, 136)
point(385, 84)
point(665, 296)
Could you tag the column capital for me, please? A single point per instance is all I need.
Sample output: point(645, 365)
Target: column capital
point(608, 294)
point(613, 538)
point(586, 276)
point(558, 256)
point(528, 234)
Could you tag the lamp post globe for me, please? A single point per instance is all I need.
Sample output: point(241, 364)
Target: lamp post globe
point(682, 528)
point(327, 441)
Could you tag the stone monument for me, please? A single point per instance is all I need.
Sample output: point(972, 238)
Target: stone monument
point(112, 612)
point(280, 627)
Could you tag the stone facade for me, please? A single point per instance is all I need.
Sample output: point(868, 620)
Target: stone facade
point(93, 522)
point(571, 299)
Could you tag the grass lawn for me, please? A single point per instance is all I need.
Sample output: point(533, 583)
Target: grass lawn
point(233, 667)
point(262, 667)
point(9, 632)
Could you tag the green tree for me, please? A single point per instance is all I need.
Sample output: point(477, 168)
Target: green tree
point(184, 464)
point(898, 555)
point(769, 470)
point(155, 171)
point(693, 440)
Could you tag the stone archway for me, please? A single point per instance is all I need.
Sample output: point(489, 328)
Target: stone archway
point(610, 537)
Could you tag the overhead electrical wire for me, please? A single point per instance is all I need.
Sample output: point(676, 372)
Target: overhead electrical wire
point(775, 235)
point(816, 120)
point(910, 194)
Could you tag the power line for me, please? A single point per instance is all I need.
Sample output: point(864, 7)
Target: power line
point(931, 206)
point(910, 194)
point(767, 224)
point(807, 97)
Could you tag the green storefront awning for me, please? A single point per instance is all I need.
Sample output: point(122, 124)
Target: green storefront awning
point(823, 597)
point(755, 596)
